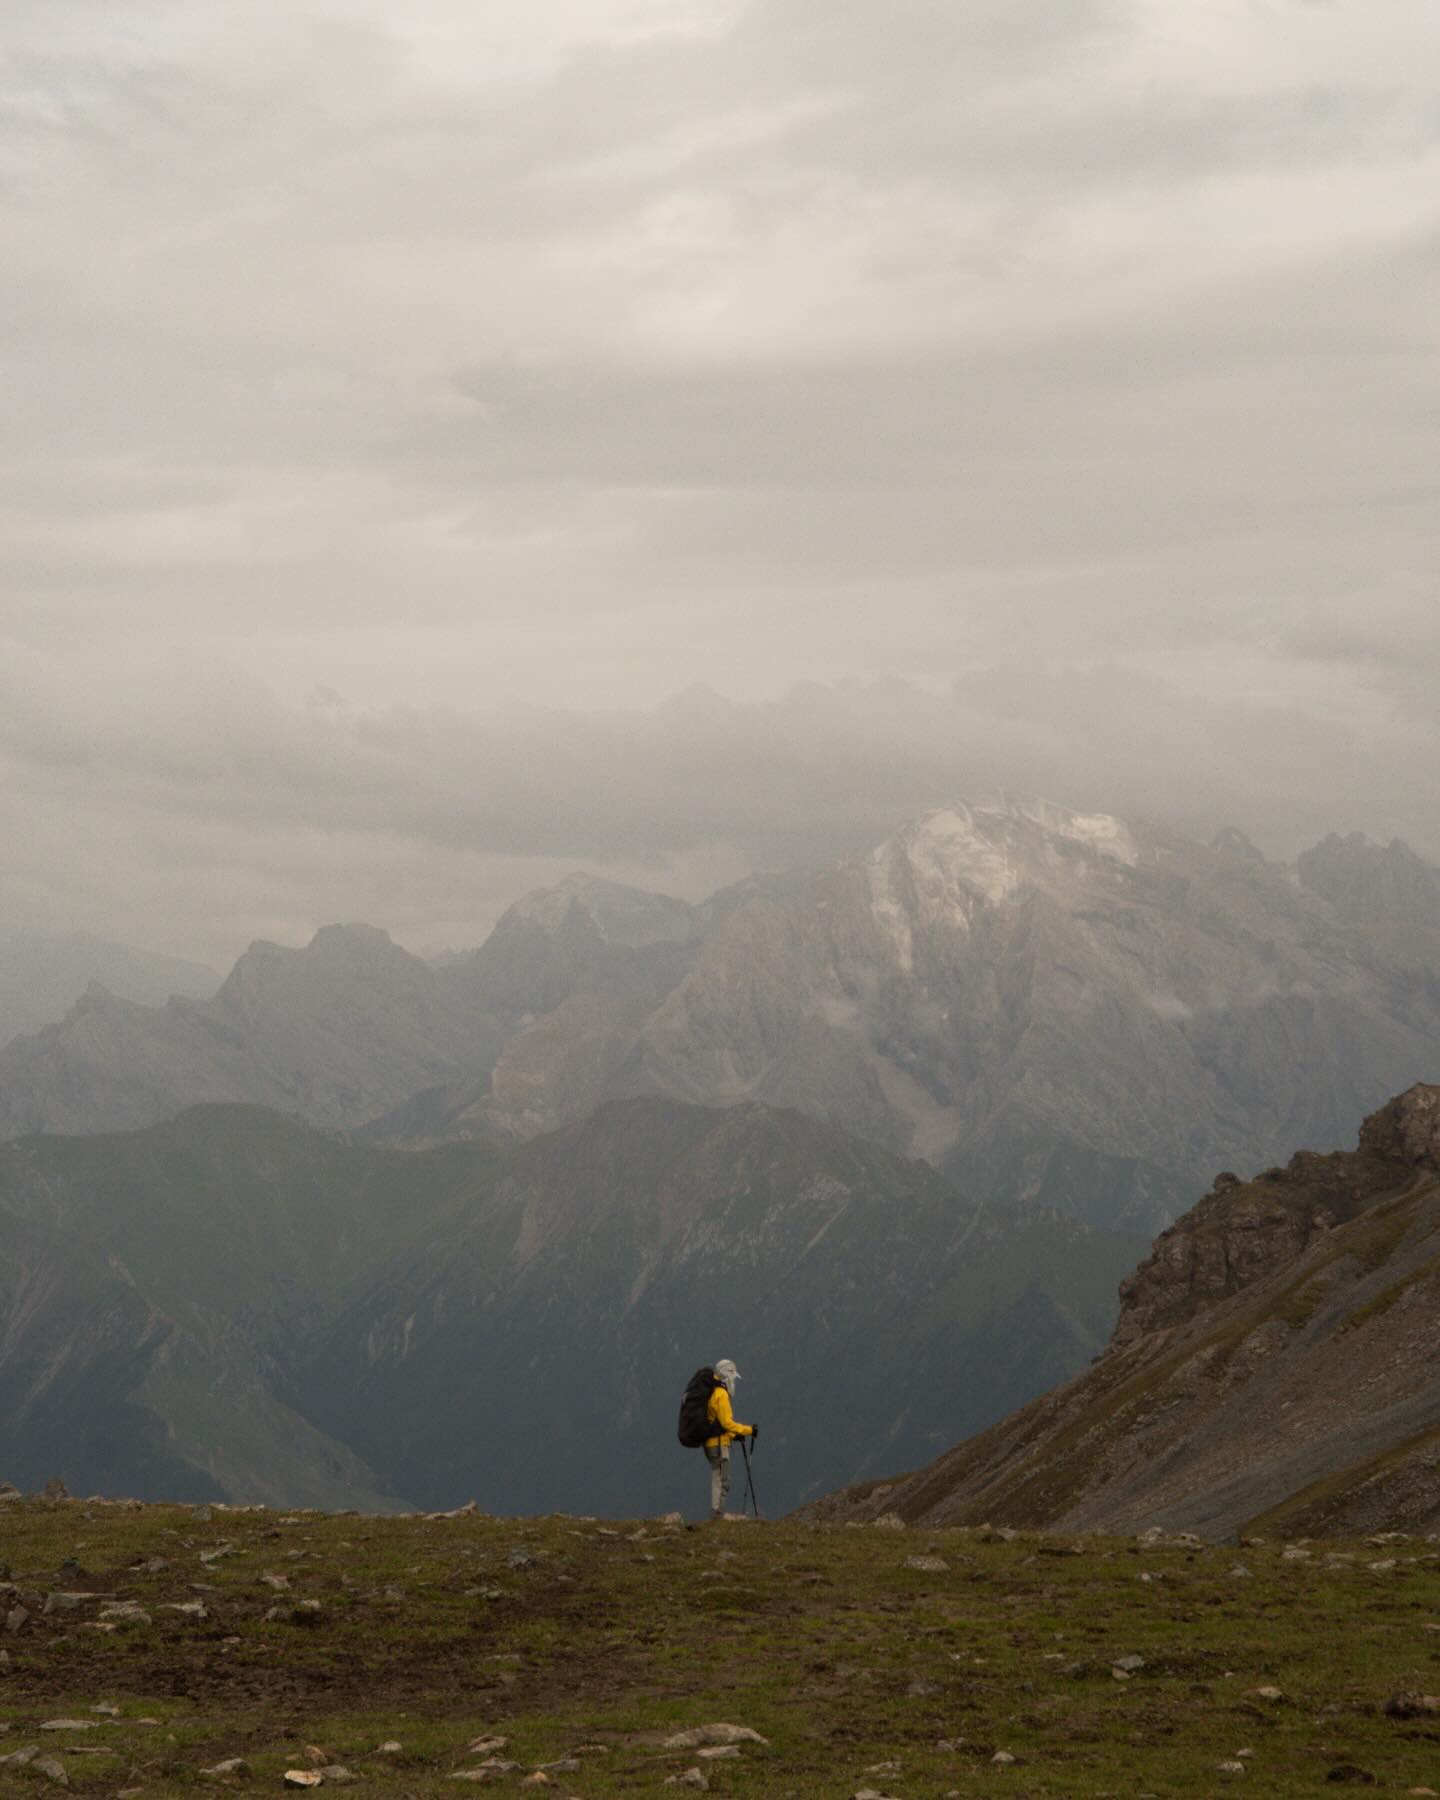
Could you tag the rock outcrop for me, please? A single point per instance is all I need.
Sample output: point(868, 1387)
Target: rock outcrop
point(1274, 1367)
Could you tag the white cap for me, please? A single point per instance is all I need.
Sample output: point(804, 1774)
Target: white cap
point(727, 1372)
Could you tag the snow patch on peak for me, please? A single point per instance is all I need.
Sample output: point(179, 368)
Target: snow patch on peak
point(934, 872)
point(952, 844)
point(955, 858)
point(1099, 832)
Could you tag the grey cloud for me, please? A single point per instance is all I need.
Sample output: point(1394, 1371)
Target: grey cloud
point(442, 818)
point(510, 371)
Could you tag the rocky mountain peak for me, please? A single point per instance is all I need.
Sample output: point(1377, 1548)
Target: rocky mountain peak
point(627, 916)
point(96, 998)
point(269, 972)
point(950, 860)
point(1356, 874)
point(354, 941)
point(1231, 841)
point(993, 846)
point(1243, 1232)
point(1407, 1129)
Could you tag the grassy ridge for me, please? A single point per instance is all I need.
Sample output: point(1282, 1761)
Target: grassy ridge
point(562, 1634)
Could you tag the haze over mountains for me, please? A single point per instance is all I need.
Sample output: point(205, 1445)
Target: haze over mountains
point(43, 974)
point(1054, 1008)
point(236, 1304)
point(342, 1231)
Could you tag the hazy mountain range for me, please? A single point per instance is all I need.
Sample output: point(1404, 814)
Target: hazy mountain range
point(235, 1303)
point(1273, 1369)
point(1052, 1008)
point(43, 975)
point(345, 1230)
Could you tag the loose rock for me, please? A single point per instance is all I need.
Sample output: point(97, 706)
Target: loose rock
point(714, 1734)
point(1411, 1706)
point(67, 1602)
point(124, 1612)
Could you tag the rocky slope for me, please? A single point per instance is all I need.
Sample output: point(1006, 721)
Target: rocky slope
point(1057, 1007)
point(353, 1030)
point(43, 974)
point(575, 970)
point(338, 1031)
point(241, 1303)
point(1274, 1368)
point(1053, 1008)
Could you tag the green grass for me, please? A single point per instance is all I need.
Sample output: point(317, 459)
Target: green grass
point(822, 1640)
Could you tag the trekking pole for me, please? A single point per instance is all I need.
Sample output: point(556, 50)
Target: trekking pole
point(749, 1478)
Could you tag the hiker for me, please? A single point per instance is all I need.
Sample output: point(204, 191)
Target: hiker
point(728, 1428)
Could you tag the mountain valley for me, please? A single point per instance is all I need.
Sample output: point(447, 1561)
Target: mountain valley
point(236, 1304)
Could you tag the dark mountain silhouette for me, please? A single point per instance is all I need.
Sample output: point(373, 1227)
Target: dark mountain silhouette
point(243, 1303)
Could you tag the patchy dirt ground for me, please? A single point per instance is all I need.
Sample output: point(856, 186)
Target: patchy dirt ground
point(911, 1663)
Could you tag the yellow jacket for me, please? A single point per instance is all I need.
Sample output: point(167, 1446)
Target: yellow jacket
point(718, 1413)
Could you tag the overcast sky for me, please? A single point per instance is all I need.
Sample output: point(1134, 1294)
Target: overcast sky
point(450, 443)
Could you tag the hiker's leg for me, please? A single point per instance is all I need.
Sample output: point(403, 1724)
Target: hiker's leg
point(717, 1479)
point(721, 1481)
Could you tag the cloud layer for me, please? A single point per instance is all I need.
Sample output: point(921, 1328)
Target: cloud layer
point(400, 409)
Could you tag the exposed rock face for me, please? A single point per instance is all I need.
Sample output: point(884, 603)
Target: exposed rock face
point(1055, 1009)
point(352, 1029)
point(1407, 1130)
point(1274, 1364)
point(338, 1031)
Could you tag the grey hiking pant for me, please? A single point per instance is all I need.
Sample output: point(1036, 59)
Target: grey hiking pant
point(718, 1457)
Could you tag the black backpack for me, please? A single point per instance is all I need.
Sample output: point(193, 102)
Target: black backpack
point(695, 1424)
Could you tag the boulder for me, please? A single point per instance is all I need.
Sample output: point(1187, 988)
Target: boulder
point(713, 1734)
